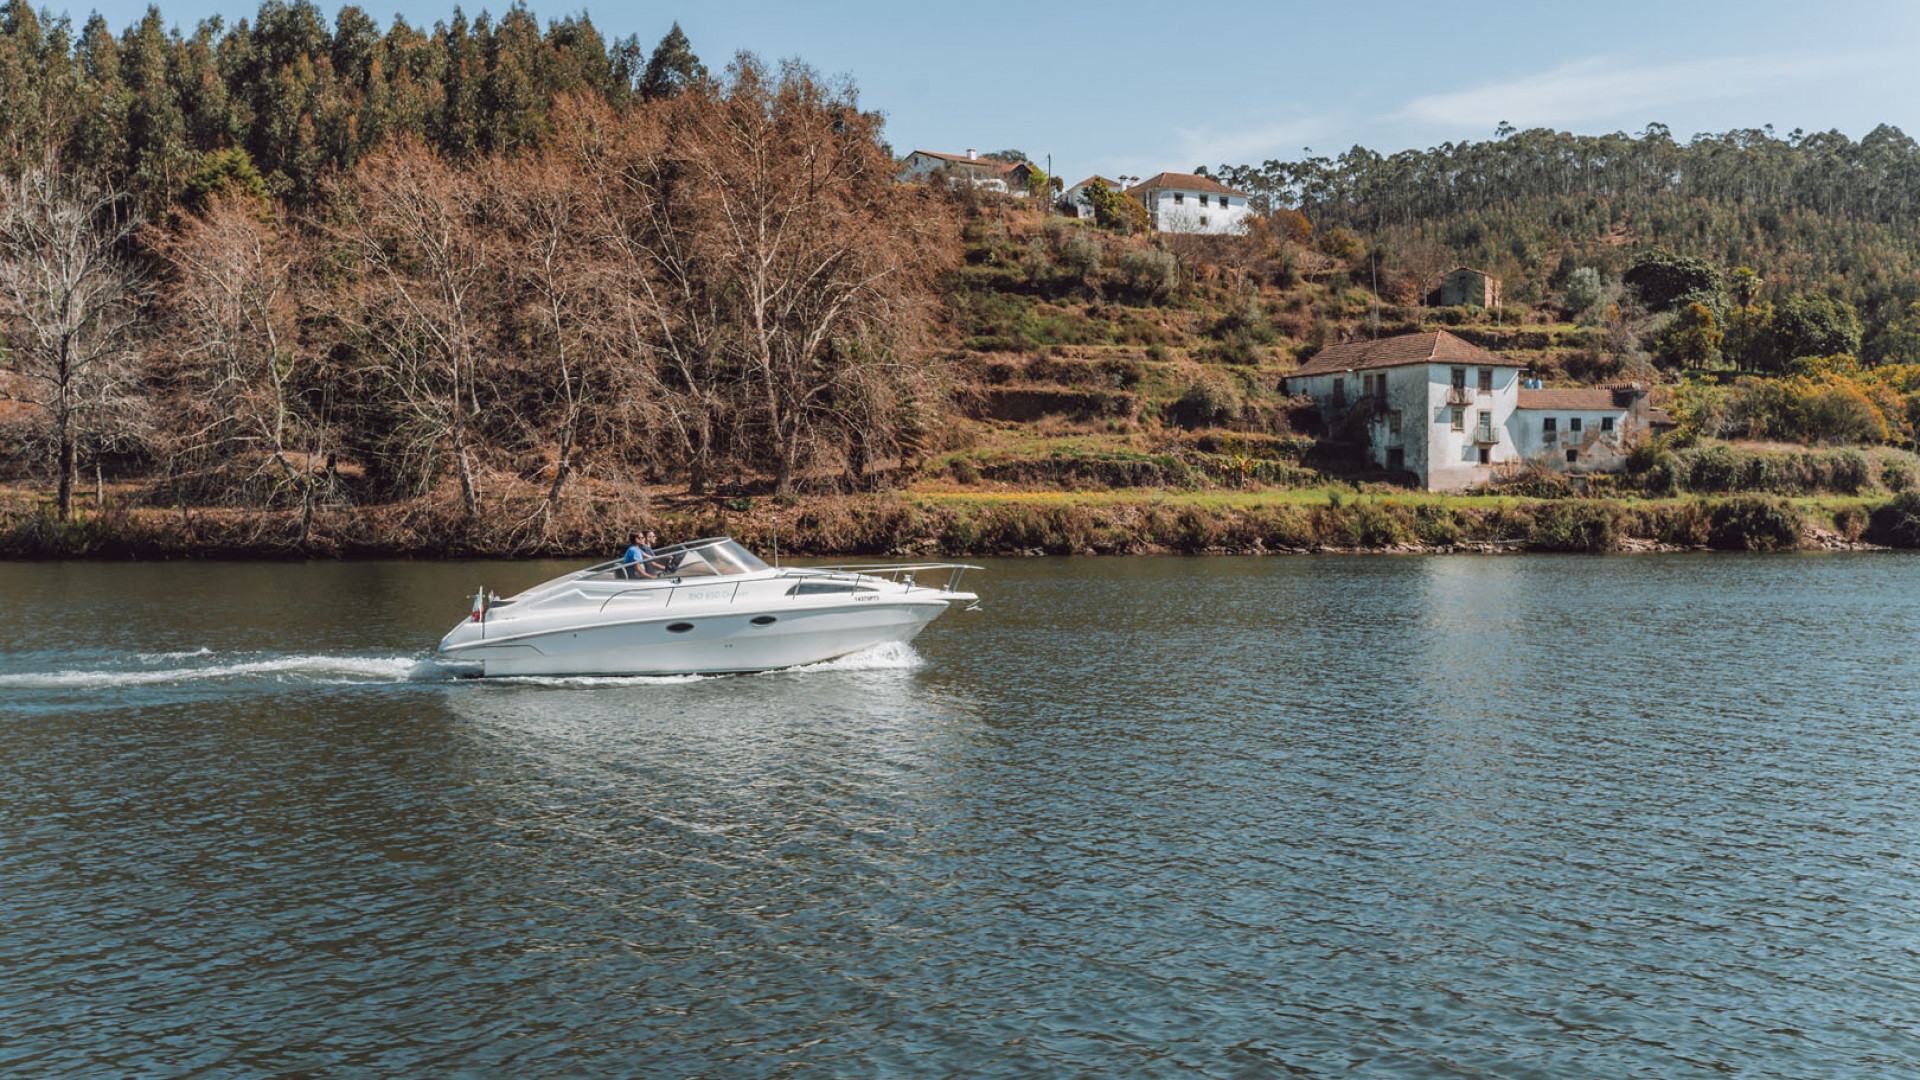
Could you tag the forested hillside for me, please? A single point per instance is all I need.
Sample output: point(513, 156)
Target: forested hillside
point(1807, 212)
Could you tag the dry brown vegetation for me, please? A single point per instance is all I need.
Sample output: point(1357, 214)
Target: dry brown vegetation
point(716, 285)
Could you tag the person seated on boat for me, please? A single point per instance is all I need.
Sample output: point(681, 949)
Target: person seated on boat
point(634, 564)
point(649, 541)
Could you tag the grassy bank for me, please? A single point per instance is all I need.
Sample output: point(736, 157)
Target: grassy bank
point(976, 523)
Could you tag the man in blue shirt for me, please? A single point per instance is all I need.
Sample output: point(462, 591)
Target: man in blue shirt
point(634, 563)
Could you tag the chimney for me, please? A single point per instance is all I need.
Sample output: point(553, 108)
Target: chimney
point(970, 153)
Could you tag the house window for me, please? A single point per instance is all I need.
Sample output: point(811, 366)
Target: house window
point(1486, 456)
point(1606, 423)
point(1396, 458)
point(1485, 427)
point(1203, 219)
point(1179, 197)
point(1339, 392)
point(1459, 378)
point(1573, 425)
point(1393, 422)
point(1459, 419)
point(1203, 200)
point(1549, 426)
point(1573, 455)
point(1224, 201)
point(1486, 381)
point(1380, 387)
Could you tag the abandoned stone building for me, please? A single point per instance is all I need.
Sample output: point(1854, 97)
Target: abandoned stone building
point(1465, 285)
point(1457, 416)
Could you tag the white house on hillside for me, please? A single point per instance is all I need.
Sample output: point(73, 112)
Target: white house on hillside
point(985, 173)
point(1456, 415)
point(1185, 203)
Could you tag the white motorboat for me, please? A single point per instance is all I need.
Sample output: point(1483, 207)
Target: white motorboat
point(703, 607)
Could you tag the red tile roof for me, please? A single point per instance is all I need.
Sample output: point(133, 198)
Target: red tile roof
point(1574, 400)
point(1433, 347)
point(990, 164)
point(1184, 182)
point(1111, 185)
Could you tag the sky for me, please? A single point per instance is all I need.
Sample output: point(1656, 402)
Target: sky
point(1124, 87)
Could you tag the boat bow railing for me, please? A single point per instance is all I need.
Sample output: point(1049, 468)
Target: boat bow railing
point(901, 574)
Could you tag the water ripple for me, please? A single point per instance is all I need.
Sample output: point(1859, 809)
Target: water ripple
point(1220, 818)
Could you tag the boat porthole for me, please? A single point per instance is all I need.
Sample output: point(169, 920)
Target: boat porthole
point(679, 627)
point(763, 620)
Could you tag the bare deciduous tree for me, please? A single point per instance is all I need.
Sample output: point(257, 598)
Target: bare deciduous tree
point(825, 266)
point(70, 302)
point(420, 304)
point(233, 355)
point(543, 208)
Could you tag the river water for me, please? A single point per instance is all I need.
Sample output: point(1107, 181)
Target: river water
point(1443, 816)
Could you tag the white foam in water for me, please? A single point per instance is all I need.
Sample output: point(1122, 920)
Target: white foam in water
point(314, 668)
point(890, 656)
point(893, 656)
point(201, 651)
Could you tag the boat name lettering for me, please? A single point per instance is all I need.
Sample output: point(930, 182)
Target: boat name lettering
point(709, 594)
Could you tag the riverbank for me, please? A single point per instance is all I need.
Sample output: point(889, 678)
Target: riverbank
point(963, 523)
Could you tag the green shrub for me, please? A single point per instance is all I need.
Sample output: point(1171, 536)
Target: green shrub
point(1149, 273)
point(1375, 527)
point(1897, 522)
point(1576, 526)
point(1436, 526)
point(1682, 525)
point(1851, 522)
point(1753, 523)
point(1198, 529)
point(1282, 526)
point(1208, 401)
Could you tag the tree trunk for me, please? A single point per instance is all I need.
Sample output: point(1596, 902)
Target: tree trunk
point(69, 469)
point(469, 497)
point(698, 468)
point(564, 465)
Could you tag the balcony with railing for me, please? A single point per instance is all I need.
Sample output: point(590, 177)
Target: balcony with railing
point(1486, 436)
point(1459, 395)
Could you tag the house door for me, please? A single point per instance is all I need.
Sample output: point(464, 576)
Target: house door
point(1396, 457)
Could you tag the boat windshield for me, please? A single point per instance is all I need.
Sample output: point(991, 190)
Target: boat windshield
point(715, 557)
point(705, 558)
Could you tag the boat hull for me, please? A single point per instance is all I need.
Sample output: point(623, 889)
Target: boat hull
point(706, 643)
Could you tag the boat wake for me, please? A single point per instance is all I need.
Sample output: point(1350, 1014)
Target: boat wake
point(159, 669)
point(206, 667)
